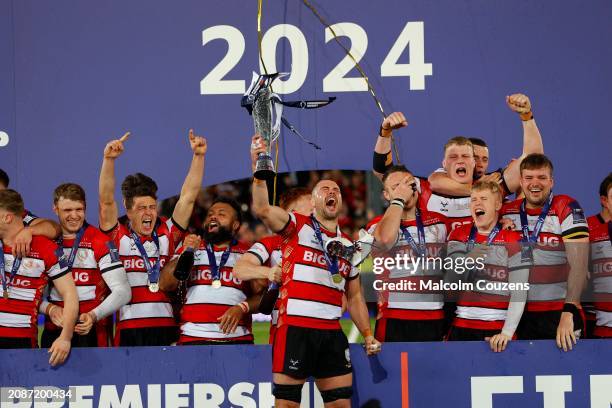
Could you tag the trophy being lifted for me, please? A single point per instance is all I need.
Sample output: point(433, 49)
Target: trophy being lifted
point(266, 107)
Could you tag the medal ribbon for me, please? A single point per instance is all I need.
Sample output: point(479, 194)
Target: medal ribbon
point(420, 248)
point(332, 262)
point(16, 264)
point(152, 270)
point(212, 260)
point(75, 245)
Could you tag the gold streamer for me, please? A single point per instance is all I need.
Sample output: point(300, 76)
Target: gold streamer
point(361, 71)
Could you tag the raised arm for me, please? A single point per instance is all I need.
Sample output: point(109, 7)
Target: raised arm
point(275, 218)
point(386, 231)
point(248, 267)
point(193, 181)
point(532, 139)
point(109, 212)
point(383, 157)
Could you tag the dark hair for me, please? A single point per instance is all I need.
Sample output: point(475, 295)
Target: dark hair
point(11, 201)
point(137, 185)
point(397, 168)
point(535, 161)
point(4, 178)
point(605, 185)
point(232, 203)
point(478, 142)
point(71, 191)
point(292, 195)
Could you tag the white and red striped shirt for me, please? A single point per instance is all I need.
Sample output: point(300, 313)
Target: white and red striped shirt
point(548, 276)
point(92, 260)
point(601, 274)
point(146, 308)
point(484, 308)
point(268, 251)
point(18, 313)
point(308, 296)
point(455, 209)
point(204, 304)
point(413, 305)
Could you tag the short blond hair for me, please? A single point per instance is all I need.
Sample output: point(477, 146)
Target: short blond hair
point(487, 185)
point(459, 141)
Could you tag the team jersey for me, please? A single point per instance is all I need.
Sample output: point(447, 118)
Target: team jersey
point(414, 304)
point(308, 296)
point(18, 313)
point(27, 218)
point(548, 277)
point(601, 274)
point(146, 308)
point(455, 209)
point(485, 307)
point(204, 304)
point(268, 251)
point(95, 256)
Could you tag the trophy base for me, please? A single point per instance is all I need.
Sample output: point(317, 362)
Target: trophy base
point(264, 169)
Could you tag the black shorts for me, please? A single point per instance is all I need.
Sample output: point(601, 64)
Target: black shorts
point(17, 343)
point(466, 334)
point(543, 325)
point(302, 352)
point(392, 330)
point(148, 336)
point(91, 339)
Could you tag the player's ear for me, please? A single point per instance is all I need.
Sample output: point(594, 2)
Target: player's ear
point(386, 195)
point(55, 209)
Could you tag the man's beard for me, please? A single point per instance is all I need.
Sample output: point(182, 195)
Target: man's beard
point(223, 234)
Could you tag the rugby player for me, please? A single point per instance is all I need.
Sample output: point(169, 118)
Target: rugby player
point(309, 340)
point(492, 309)
point(404, 229)
point(23, 281)
point(555, 227)
point(217, 304)
point(600, 231)
point(97, 271)
point(146, 243)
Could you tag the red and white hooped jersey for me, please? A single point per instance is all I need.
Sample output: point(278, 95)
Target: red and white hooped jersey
point(418, 304)
point(146, 308)
point(204, 304)
point(93, 259)
point(601, 274)
point(18, 313)
point(485, 307)
point(308, 296)
point(268, 251)
point(455, 209)
point(548, 276)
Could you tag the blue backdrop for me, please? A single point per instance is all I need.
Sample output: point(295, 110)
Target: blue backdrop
point(528, 374)
point(75, 74)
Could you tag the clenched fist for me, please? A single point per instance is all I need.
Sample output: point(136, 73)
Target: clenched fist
point(519, 103)
point(396, 120)
point(198, 144)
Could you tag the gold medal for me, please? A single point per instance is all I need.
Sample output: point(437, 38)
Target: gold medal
point(337, 278)
point(154, 287)
point(216, 284)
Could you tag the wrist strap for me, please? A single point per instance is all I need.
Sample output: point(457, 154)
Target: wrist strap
point(570, 307)
point(380, 132)
point(399, 202)
point(526, 116)
point(366, 333)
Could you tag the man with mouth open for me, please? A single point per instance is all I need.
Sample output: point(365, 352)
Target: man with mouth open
point(217, 303)
point(97, 271)
point(405, 229)
point(146, 243)
point(555, 228)
point(309, 340)
point(488, 312)
point(448, 191)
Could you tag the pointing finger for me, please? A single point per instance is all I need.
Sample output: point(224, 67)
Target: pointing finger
point(124, 137)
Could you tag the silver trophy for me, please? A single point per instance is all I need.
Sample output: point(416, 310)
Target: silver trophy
point(267, 112)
